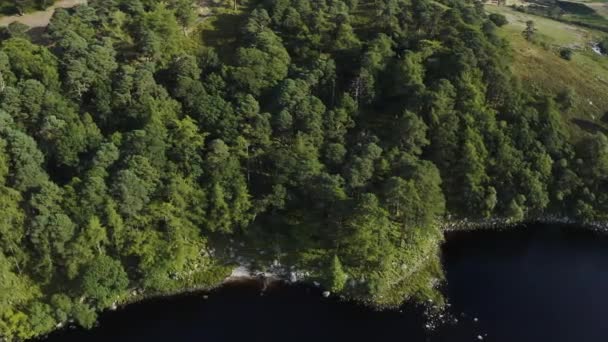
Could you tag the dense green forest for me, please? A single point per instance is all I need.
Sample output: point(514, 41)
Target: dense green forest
point(138, 153)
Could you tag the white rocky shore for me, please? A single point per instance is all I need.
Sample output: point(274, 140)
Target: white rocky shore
point(274, 273)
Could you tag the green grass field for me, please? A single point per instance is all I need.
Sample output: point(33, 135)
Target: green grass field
point(601, 8)
point(221, 28)
point(539, 66)
point(579, 13)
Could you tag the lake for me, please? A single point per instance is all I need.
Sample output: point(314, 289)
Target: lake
point(542, 283)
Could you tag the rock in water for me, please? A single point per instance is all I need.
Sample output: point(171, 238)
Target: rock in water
point(326, 294)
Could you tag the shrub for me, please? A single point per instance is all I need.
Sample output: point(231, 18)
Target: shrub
point(566, 53)
point(498, 19)
point(520, 9)
point(566, 98)
point(603, 45)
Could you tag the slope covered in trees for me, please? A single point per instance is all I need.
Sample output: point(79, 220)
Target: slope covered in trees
point(329, 136)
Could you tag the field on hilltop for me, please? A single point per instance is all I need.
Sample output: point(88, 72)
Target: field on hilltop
point(540, 67)
point(600, 7)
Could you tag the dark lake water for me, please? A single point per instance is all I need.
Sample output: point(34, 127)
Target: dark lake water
point(539, 284)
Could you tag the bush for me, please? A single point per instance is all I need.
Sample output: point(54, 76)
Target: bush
point(520, 9)
point(498, 19)
point(566, 98)
point(603, 45)
point(84, 315)
point(41, 318)
point(104, 280)
point(18, 30)
point(566, 53)
point(544, 45)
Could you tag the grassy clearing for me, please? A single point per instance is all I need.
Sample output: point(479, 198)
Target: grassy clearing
point(222, 27)
point(592, 14)
point(582, 14)
point(539, 66)
point(601, 8)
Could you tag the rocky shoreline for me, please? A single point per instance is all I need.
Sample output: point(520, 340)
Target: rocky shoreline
point(499, 224)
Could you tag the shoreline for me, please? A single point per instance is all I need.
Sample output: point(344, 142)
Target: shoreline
point(237, 275)
point(243, 272)
point(501, 224)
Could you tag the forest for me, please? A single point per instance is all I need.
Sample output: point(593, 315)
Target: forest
point(139, 155)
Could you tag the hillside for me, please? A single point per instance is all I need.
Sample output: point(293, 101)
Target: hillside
point(150, 147)
point(540, 68)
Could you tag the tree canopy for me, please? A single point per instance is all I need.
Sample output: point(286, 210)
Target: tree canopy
point(138, 152)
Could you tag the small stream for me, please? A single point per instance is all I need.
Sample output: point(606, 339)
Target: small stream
point(542, 283)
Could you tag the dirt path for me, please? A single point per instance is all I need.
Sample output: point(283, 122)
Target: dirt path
point(40, 18)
